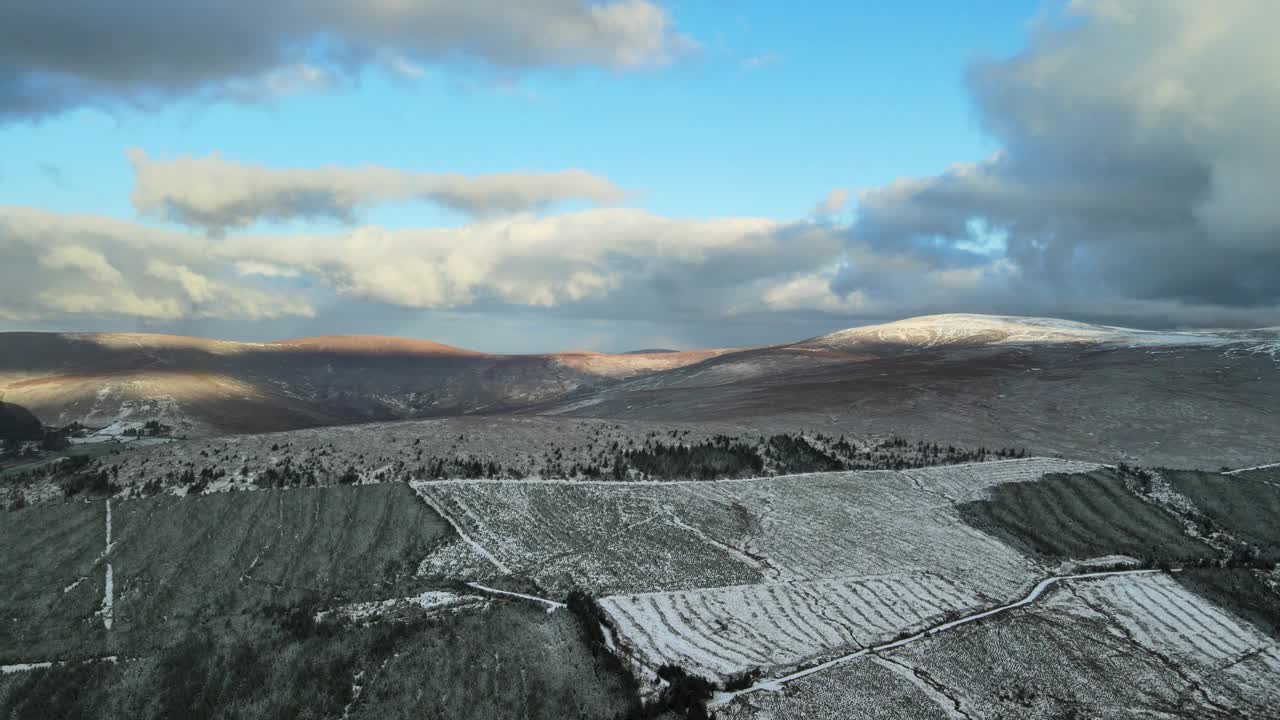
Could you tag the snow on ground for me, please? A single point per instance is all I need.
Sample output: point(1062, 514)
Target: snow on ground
point(23, 667)
point(566, 535)
point(1163, 616)
point(618, 537)
point(718, 632)
point(854, 524)
point(1249, 469)
point(108, 597)
point(430, 600)
point(27, 667)
point(551, 605)
point(934, 330)
point(74, 585)
point(1072, 652)
point(962, 483)
point(777, 684)
point(1104, 562)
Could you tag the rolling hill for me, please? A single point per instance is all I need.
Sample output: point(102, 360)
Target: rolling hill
point(211, 386)
point(1052, 385)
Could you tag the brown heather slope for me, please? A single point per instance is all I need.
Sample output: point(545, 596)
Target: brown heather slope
point(203, 386)
point(1183, 398)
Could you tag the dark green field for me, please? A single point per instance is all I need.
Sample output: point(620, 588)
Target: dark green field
point(1082, 516)
point(1241, 590)
point(214, 616)
point(180, 562)
point(508, 660)
point(44, 550)
point(1093, 515)
point(1247, 508)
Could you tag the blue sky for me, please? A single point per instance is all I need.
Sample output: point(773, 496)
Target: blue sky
point(851, 94)
point(623, 173)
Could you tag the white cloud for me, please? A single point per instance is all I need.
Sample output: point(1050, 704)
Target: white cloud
point(596, 255)
point(54, 265)
point(217, 194)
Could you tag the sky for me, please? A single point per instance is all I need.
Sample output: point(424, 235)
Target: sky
point(621, 174)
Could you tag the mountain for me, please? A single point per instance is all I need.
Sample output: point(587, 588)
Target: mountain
point(958, 330)
point(1186, 397)
point(1052, 385)
point(204, 386)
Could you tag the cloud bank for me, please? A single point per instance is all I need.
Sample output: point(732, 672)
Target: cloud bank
point(59, 54)
point(216, 194)
point(1133, 185)
point(57, 266)
point(1139, 159)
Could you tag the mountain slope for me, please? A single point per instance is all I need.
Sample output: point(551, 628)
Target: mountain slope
point(931, 331)
point(1183, 398)
point(207, 386)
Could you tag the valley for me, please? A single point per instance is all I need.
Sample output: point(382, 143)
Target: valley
point(619, 550)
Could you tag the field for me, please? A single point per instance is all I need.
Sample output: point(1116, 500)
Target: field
point(1164, 616)
point(1082, 516)
point(721, 632)
point(497, 660)
point(1250, 594)
point(879, 594)
point(1080, 653)
point(961, 483)
point(608, 537)
point(199, 560)
point(277, 603)
point(1245, 504)
point(612, 537)
point(740, 575)
point(51, 581)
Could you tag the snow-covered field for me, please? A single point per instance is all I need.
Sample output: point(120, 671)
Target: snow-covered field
point(1163, 616)
point(609, 537)
point(1082, 649)
point(718, 632)
point(961, 483)
point(738, 575)
point(622, 538)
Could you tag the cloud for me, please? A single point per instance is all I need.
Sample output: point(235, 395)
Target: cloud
point(616, 260)
point(1138, 159)
point(835, 201)
point(60, 54)
point(65, 266)
point(216, 194)
point(602, 263)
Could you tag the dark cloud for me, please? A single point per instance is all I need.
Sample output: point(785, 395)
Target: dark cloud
point(56, 54)
point(1138, 167)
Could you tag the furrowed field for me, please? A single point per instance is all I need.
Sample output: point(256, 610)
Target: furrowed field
point(1114, 648)
point(940, 592)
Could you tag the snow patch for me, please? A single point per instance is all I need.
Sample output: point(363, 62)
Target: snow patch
point(429, 600)
point(552, 605)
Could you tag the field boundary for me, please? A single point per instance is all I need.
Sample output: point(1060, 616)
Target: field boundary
point(458, 529)
point(777, 684)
